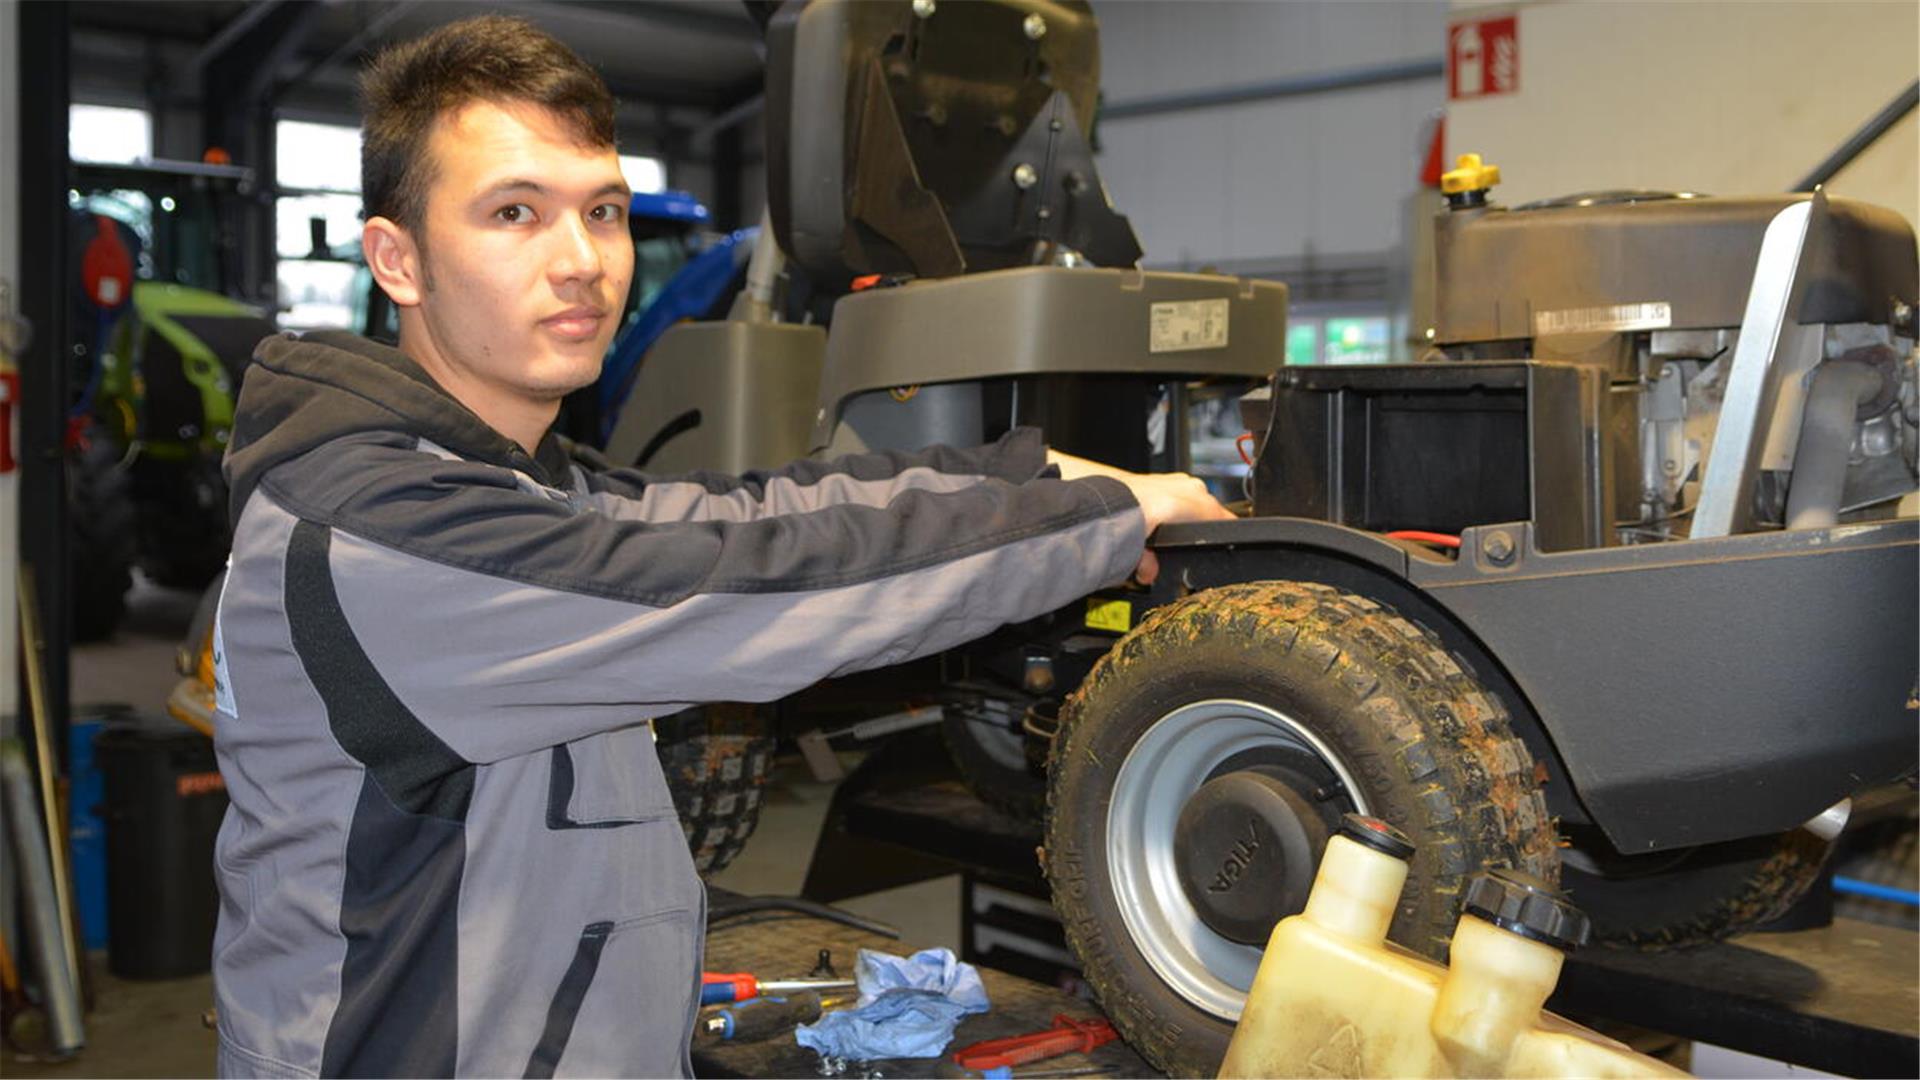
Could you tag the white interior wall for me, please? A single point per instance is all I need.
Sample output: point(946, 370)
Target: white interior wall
point(1265, 182)
point(1718, 96)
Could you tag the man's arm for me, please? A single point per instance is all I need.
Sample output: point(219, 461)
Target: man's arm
point(508, 621)
point(870, 479)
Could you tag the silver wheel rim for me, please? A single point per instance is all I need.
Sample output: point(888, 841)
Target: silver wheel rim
point(1168, 763)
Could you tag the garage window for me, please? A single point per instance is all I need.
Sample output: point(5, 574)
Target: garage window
point(109, 133)
point(320, 279)
point(644, 174)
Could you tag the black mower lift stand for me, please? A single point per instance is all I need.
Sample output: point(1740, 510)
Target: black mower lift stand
point(1840, 998)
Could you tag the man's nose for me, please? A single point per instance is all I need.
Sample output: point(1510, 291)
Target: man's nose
point(576, 256)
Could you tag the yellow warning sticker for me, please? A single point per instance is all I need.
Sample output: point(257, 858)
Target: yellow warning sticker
point(1114, 615)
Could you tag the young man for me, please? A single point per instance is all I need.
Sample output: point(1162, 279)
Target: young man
point(451, 849)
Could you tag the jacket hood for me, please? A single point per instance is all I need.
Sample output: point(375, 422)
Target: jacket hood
point(303, 391)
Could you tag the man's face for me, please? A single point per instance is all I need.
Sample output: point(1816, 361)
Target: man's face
point(526, 252)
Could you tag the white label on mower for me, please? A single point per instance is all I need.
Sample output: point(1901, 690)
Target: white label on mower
point(1187, 324)
point(1608, 320)
point(222, 684)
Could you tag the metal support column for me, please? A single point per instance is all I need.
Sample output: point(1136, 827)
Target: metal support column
point(42, 290)
point(237, 114)
point(728, 209)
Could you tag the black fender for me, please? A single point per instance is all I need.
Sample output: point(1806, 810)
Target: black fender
point(1688, 692)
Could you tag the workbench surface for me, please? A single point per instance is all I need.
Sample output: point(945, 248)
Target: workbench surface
point(780, 945)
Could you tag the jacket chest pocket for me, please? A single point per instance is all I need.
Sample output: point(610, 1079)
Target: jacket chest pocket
point(607, 780)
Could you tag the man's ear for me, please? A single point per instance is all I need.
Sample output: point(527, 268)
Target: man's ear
point(395, 261)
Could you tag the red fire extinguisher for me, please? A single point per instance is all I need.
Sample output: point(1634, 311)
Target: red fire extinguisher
point(9, 393)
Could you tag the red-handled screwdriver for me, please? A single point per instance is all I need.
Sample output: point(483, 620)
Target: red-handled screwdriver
point(717, 989)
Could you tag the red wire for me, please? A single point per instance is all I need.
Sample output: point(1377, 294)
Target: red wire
point(1240, 443)
point(1442, 539)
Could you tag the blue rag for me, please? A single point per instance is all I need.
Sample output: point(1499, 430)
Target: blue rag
point(908, 1007)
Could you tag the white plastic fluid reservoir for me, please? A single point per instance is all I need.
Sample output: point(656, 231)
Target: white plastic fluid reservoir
point(1334, 998)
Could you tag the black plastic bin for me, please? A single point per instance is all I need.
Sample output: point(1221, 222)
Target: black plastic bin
point(164, 802)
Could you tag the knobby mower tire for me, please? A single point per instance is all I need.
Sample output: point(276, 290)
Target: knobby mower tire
point(102, 536)
point(717, 759)
point(1430, 747)
point(1701, 896)
point(1018, 791)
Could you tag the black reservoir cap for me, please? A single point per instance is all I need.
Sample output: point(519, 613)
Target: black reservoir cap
point(1522, 904)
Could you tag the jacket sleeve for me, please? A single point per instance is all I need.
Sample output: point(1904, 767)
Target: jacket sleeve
point(508, 620)
point(871, 479)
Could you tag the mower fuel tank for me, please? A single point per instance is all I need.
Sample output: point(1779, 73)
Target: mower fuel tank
point(1646, 261)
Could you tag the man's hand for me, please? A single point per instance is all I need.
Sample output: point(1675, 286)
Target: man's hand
point(1163, 497)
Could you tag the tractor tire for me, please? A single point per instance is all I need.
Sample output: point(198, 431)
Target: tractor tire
point(717, 759)
point(184, 537)
point(992, 758)
point(101, 536)
point(1682, 899)
point(1279, 679)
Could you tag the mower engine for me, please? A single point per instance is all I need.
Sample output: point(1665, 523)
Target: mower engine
point(1600, 349)
point(1654, 289)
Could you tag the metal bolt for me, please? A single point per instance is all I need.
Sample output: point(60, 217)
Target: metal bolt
point(923, 8)
point(1498, 547)
point(1037, 678)
point(1035, 27)
point(1055, 125)
point(1024, 177)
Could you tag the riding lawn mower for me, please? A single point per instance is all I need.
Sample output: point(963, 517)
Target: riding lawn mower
point(1614, 586)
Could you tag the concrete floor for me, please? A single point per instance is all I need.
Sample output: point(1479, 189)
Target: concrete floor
point(154, 1028)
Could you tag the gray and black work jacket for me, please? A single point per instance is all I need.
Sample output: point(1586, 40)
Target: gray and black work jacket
point(450, 848)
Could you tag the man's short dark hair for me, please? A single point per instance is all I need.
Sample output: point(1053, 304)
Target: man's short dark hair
point(492, 58)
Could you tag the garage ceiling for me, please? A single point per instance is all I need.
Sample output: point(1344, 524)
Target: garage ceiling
point(694, 53)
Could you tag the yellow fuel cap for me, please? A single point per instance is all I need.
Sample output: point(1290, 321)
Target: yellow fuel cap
point(1469, 173)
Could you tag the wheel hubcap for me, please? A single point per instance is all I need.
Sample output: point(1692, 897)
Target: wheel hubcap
point(1247, 844)
point(1213, 833)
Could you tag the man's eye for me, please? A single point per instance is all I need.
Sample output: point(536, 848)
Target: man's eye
point(608, 212)
point(514, 214)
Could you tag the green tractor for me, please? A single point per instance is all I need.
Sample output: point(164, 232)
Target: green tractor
point(161, 360)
